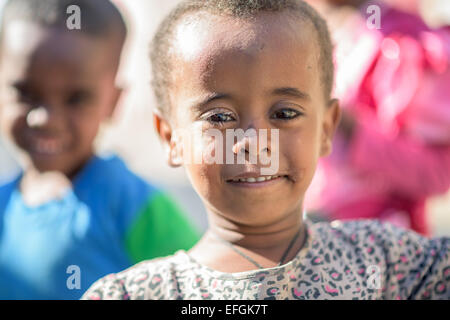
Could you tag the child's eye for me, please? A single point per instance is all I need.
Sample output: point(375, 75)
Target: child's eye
point(22, 94)
point(286, 114)
point(219, 118)
point(78, 97)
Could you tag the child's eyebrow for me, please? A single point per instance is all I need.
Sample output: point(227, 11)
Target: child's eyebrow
point(203, 102)
point(292, 92)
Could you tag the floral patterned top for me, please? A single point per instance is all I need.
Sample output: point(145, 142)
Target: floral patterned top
point(361, 259)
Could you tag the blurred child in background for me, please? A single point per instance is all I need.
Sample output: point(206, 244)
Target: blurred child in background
point(392, 149)
point(71, 216)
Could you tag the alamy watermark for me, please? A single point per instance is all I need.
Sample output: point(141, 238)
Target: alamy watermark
point(374, 279)
point(74, 279)
point(374, 19)
point(256, 147)
point(73, 21)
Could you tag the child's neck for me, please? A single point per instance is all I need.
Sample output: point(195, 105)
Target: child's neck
point(265, 245)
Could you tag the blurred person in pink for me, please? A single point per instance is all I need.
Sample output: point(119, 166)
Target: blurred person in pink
point(392, 150)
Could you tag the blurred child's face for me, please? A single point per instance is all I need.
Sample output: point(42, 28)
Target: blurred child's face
point(232, 74)
point(56, 87)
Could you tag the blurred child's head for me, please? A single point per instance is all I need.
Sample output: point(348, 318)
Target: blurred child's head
point(57, 82)
point(235, 64)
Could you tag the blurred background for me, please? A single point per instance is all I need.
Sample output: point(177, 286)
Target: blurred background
point(131, 133)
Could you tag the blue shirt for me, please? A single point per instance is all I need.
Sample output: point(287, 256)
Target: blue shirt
point(108, 221)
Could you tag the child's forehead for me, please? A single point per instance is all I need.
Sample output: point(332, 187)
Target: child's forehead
point(27, 45)
point(211, 53)
point(204, 35)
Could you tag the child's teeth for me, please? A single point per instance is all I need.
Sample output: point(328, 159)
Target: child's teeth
point(257, 179)
point(47, 146)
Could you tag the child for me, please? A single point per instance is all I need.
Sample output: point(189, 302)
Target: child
point(265, 64)
point(72, 216)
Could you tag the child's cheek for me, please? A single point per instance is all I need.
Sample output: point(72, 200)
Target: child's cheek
point(299, 148)
point(201, 145)
point(13, 123)
point(206, 180)
point(213, 147)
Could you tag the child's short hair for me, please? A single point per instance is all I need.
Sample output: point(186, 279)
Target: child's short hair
point(244, 9)
point(99, 18)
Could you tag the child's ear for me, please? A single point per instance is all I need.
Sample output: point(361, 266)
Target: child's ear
point(331, 121)
point(170, 145)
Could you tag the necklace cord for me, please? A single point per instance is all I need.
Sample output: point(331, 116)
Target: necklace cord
point(289, 247)
point(242, 254)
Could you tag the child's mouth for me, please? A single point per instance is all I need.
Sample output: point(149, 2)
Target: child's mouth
point(258, 181)
point(46, 146)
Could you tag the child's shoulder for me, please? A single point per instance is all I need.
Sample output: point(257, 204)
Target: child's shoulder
point(139, 281)
point(109, 167)
point(413, 266)
point(110, 172)
point(363, 229)
point(108, 180)
point(364, 233)
point(379, 242)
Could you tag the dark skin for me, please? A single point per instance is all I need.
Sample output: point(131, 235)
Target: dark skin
point(248, 66)
point(56, 88)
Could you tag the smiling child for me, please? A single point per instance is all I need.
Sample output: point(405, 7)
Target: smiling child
point(264, 65)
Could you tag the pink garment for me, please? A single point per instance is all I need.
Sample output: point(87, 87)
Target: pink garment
point(396, 82)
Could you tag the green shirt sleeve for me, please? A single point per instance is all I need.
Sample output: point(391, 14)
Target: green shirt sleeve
point(160, 229)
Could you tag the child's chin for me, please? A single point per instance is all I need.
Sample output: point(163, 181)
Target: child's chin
point(258, 216)
point(48, 166)
point(48, 163)
point(256, 207)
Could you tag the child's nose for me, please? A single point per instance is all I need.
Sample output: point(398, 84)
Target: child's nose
point(250, 144)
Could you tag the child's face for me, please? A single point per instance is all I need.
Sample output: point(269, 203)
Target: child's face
point(261, 75)
point(56, 87)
